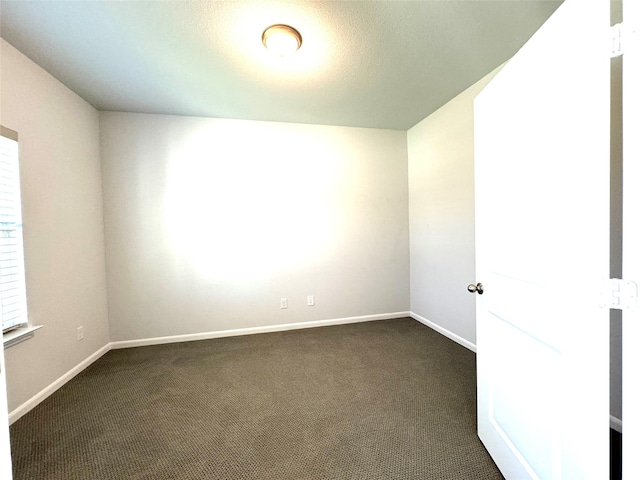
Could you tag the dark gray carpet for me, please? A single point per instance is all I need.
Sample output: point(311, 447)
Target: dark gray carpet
point(380, 400)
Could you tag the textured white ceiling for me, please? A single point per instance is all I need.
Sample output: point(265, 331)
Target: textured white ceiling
point(383, 64)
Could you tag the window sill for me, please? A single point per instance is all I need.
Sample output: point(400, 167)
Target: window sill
point(19, 335)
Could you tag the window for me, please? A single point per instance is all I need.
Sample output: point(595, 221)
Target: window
point(13, 303)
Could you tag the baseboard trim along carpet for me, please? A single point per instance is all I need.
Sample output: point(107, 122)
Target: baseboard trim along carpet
point(45, 392)
point(452, 336)
point(615, 423)
point(253, 330)
point(390, 399)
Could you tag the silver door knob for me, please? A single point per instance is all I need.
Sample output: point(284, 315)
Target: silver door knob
point(479, 289)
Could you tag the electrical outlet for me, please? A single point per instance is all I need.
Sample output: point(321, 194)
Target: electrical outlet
point(80, 333)
point(284, 303)
point(310, 300)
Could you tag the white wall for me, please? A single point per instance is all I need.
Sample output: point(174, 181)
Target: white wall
point(63, 228)
point(441, 215)
point(210, 222)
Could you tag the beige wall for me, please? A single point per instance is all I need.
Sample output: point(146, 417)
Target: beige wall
point(441, 215)
point(210, 222)
point(63, 228)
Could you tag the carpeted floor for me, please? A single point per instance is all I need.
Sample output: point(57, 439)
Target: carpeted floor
point(379, 400)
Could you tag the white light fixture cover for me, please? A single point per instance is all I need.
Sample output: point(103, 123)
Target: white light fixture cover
point(281, 40)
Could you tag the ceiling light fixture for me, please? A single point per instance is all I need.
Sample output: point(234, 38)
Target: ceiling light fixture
point(282, 40)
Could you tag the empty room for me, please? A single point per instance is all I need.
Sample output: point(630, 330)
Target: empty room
point(265, 239)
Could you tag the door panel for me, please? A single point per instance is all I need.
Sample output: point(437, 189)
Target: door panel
point(523, 308)
point(515, 399)
point(542, 249)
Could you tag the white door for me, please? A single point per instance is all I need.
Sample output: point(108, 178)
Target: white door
point(5, 451)
point(542, 249)
point(631, 242)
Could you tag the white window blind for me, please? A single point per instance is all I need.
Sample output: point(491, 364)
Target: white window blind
point(13, 304)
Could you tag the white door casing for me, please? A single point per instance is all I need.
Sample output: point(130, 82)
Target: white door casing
point(631, 239)
point(542, 251)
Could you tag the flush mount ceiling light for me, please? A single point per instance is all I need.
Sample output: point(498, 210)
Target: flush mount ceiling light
point(281, 40)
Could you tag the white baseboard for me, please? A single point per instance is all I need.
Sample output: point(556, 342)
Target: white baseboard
point(615, 423)
point(44, 393)
point(27, 406)
point(253, 330)
point(444, 331)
